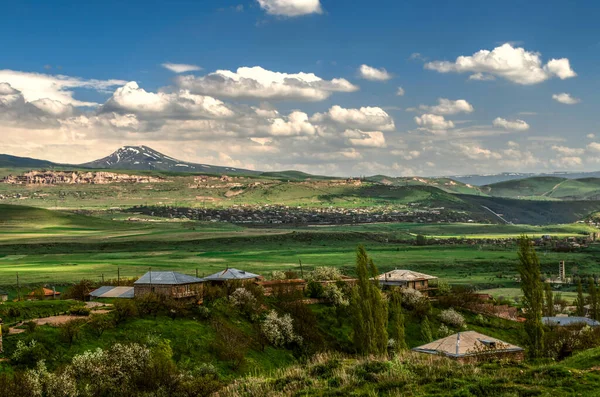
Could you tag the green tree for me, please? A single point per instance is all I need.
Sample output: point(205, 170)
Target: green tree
point(533, 296)
point(421, 240)
point(593, 299)
point(396, 320)
point(549, 306)
point(370, 311)
point(580, 302)
point(426, 330)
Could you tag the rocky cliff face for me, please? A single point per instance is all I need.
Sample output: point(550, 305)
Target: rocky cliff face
point(77, 177)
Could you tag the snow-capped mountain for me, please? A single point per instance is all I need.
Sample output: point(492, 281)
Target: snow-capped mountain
point(148, 159)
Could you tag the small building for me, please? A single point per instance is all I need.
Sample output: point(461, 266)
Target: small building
point(112, 292)
point(565, 321)
point(44, 293)
point(471, 346)
point(282, 285)
point(3, 296)
point(170, 284)
point(406, 279)
point(231, 274)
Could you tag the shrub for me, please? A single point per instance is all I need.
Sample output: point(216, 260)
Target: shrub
point(421, 240)
point(80, 291)
point(244, 301)
point(452, 318)
point(325, 273)
point(80, 311)
point(334, 295)
point(411, 297)
point(443, 331)
point(70, 330)
point(124, 309)
point(31, 326)
point(278, 275)
point(202, 312)
point(99, 323)
point(279, 330)
point(5, 329)
point(314, 290)
point(28, 354)
point(230, 344)
point(149, 304)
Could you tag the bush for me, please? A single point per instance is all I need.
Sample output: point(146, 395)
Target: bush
point(80, 311)
point(411, 297)
point(124, 309)
point(278, 275)
point(334, 295)
point(202, 312)
point(244, 301)
point(70, 330)
point(421, 240)
point(314, 290)
point(99, 323)
point(230, 344)
point(80, 291)
point(443, 331)
point(325, 273)
point(279, 331)
point(31, 326)
point(452, 318)
point(28, 354)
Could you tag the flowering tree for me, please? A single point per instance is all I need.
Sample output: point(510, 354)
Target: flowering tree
point(452, 318)
point(279, 330)
point(334, 295)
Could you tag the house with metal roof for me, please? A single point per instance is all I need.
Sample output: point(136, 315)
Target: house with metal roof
point(564, 321)
point(171, 284)
point(406, 279)
point(112, 292)
point(231, 274)
point(471, 346)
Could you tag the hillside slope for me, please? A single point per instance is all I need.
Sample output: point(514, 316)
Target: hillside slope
point(552, 188)
point(8, 161)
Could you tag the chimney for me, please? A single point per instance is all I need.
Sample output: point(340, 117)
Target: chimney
point(457, 342)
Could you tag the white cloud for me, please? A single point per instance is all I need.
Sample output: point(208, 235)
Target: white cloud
point(594, 147)
point(258, 83)
point(567, 162)
point(363, 118)
point(291, 8)
point(433, 122)
point(374, 139)
point(400, 91)
point(448, 107)
point(370, 73)
point(52, 107)
point(513, 64)
point(476, 152)
point(567, 151)
point(515, 125)
point(180, 67)
point(406, 155)
point(132, 98)
point(591, 136)
point(565, 98)
point(36, 86)
point(481, 77)
point(295, 124)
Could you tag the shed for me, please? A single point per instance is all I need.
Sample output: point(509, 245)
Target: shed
point(171, 284)
point(406, 279)
point(564, 321)
point(471, 345)
point(231, 274)
point(112, 292)
point(44, 293)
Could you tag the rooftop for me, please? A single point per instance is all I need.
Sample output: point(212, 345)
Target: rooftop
point(404, 275)
point(231, 274)
point(167, 278)
point(46, 292)
point(112, 292)
point(467, 343)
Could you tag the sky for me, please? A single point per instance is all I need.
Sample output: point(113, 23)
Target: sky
point(345, 88)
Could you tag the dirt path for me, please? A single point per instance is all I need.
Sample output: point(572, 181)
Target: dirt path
point(52, 320)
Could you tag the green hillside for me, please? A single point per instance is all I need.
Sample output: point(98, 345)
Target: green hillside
point(548, 188)
point(445, 184)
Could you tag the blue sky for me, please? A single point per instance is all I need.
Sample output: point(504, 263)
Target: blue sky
point(83, 54)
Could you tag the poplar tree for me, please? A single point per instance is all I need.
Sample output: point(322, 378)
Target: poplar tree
point(426, 330)
point(593, 298)
point(397, 320)
point(370, 310)
point(533, 296)
point(580, 302)
point(549, 309)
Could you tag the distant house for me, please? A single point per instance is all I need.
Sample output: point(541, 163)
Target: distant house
point(112, 292)
point(3, 296)
point(406, 279)
point(564, 321)
point(44, 293)
point(231, 274)
point(171, 284)
point(471, 346)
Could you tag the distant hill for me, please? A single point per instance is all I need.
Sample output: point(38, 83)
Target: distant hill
point(143, 158)
point(546, 187)
point(445, 184)
point(487, 179)
point(8, 161)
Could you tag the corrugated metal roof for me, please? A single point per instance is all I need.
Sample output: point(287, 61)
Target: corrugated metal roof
point(570, 321)
point(466, 344)
point(404, 275)
point(167, 278)
point(112, 292)
point(231, 274)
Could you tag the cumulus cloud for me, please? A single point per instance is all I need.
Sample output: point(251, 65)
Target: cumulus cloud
point(373, 139)
point(180, 67)
point(433, 122)
point(448, 107)
point(481, 77)
point(514, 125)
point(565, 98)
point(296, 123)
point(291, 8)
point(568, 151)
point(258, 83)
point(514, 64)
point(567, 162)
point(34, 86)
point(400, 91)
point(370, 73)
point(594, 147)
point(363, 118)
point(132, 98)
point(476, 152)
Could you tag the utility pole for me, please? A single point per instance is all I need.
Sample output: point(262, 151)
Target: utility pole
point(301, 270)
point(196, 272)
point(150, 273)
point(102, 278)
point(118, 276)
